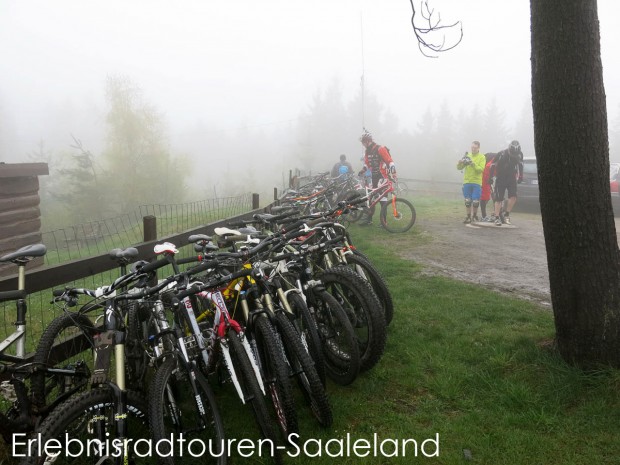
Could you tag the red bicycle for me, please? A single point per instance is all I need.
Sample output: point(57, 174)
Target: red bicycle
point(397, 215)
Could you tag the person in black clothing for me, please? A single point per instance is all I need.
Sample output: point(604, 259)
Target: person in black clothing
point(506, 170)
point(342, 167)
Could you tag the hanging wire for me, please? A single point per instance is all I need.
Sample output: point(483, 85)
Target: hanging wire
point(363, 71)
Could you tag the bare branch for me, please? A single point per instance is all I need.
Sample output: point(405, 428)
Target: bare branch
point(424, 35)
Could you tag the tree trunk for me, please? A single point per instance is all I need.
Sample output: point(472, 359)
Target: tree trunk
point(570, 125)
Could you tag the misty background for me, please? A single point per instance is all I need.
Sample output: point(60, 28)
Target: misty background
point(191, 100)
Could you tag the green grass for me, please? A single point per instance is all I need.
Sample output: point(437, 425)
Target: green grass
point(476, 369)
point(460, 362)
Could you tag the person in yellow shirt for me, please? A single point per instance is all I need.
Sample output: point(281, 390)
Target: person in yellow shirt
point(472, 165)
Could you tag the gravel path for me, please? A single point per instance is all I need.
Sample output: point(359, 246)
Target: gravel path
point(511, 261)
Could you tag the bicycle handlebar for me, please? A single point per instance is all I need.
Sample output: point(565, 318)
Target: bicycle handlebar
point(214, 283)
point(12, 295)
point(155, 265)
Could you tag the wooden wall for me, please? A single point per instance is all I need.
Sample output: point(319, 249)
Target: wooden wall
point(20, 217)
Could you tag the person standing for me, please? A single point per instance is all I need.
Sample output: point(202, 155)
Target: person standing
point(506, 171)
point(378, 159)
point(485, 196)
point(342, 167)
point(472, 165)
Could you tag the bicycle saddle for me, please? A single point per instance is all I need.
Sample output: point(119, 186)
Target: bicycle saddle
point(226, 232)
point(123, 255)
point(199, 237)
point(25, 254)
point(265, 217)
point(206, 248)
point(249, 230)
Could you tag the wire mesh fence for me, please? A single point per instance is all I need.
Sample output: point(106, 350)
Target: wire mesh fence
point(99, 237)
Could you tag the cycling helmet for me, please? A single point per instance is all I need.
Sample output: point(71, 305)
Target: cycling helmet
point(514, 147)
point(366, 137)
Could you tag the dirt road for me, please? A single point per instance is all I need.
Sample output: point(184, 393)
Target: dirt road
point(511, 261)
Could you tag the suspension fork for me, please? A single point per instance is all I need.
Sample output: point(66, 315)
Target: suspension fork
point(223, 322)
point(190, 319)
point(20, 324)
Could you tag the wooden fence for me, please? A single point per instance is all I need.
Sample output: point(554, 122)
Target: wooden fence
point(57, 275)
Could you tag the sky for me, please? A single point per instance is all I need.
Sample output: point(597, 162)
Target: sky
point(248, 63)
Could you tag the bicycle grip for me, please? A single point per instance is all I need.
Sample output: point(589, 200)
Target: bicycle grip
point(12, 295)
point(187, 292)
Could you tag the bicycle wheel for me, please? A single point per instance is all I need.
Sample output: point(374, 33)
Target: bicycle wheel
point(363, 309)
point(306, 327)
point(67, 342)
point(252, 391)
point(397, 216)
point(356, 214)
point(137, 351)
point(87, 420)
point(339, 343)
point(275, 375)
point(303, 369)
point(175, 413)
point(369, 272)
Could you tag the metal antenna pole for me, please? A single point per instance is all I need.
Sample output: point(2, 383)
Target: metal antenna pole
point(363, 72)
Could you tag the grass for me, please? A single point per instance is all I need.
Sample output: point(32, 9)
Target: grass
point(476, 370)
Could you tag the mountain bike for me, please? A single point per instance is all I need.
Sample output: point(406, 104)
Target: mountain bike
point(397, 215)
point(22, 408)
point(106, 414)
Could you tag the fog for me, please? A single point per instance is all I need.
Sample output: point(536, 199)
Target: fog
point(249, 90)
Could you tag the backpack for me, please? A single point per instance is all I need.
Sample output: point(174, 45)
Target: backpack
point(506, 164)
point(343, 169)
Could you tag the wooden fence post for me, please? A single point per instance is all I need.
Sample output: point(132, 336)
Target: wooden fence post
point(255, 201)
point(275, 193)
point(149, 224)
point(150, 228)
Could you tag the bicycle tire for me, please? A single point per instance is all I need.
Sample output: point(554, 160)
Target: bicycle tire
point(89, 416)
point(275, 375)
point(401, 187)
point(303, 369)
point(306, 326)
point(173, 411)
point(252, 391)
point(137, 352)
point(364, 267)
point(62, 332)
point(363, 308)
point(339, 342)
point(404, 219)
point(354, 215)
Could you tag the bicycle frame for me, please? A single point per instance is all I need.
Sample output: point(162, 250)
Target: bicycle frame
point(376, 194)
point(18, 337)
point(223, 321)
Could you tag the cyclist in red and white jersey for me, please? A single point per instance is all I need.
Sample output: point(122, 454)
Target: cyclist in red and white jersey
point(377, 158)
